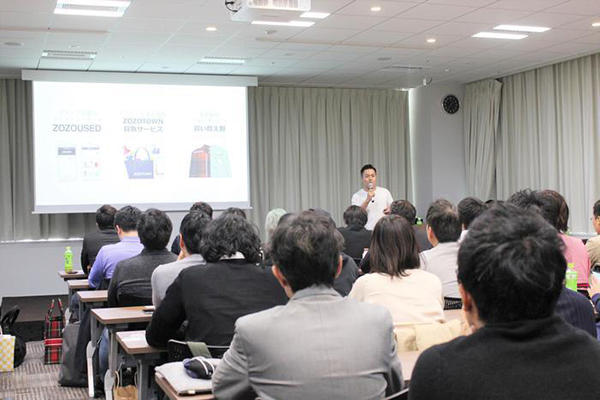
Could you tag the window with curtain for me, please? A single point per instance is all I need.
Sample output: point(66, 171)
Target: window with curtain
point(307, 146)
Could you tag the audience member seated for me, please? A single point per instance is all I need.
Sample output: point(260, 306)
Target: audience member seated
point(199, 206)
point(405, 208)
point(593, 244)
point(396, 282)
point(443, 231)
point(130, 283)
point(126, 220)
point(190, 234)
point(356, 237)
point(93, 241)
point(345, 279)
point(556, 211)
point(469, 208)
point(314, 347)
point(272, 219)
point(573, 307)
point(212, 296)
point(511, 271)
point(236, 211)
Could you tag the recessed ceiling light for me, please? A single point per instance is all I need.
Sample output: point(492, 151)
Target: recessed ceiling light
point(222, 60)
point(304, 24)
point(499, 35)
point(92, 8)
point(431, 40)
point(376, 8)
point(596, 24)
point(13, 44)
point(315, 15)
point(211, 28)
point(521, 28)
point(402, 89)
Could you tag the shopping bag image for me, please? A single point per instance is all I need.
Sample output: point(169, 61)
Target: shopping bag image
point(139, 165)
point(219, 163)
point(200, 163)
point(210, 162)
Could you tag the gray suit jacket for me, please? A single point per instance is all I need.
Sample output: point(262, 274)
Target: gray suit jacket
point(318, 346)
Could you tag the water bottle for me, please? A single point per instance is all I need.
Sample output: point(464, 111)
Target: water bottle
point(419, 221)
point(571, 277)
point(68, 260)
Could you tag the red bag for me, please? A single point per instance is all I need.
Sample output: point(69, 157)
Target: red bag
point(53, 328)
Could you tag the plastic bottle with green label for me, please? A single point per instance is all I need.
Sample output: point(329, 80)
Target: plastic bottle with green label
point(68, 260)
point(571, 277)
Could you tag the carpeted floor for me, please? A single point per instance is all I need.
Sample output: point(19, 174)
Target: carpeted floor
point(33, 380)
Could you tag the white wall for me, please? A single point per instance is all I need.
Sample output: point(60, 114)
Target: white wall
point(437, 146)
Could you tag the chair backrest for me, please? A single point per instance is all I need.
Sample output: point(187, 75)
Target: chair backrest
point(401, 395)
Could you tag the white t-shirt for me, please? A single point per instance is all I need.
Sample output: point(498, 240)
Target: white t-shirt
point(381, 201)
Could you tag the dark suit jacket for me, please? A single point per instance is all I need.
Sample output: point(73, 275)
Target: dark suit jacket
point(130, 284)
point(356, 240)
point(211, 298)
point(575, 309)
point(343, 283)
point(175, 249)
point(92, 242)
point(421, 236)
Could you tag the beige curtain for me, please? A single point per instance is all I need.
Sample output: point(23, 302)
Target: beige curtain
point(481, 109)
point(16, 174)
point(549, 134)
point(307, 146)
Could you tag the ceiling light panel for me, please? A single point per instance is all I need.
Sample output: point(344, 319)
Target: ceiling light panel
point(500, 35)
point(69, 55)
point(522, 28)
point(222, 60)
point(304, 24)
point(314, 15)
point(92, 8)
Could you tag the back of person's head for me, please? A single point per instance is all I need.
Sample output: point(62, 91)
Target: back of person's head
point(154, 229)
point(202, 207)
point(127, 218)
point(322, 213)
point(191, 229)
point(285, 218)
point(105, 217)
point(272, 219)
point(393, 247)
point(512, 264)
point(442, 217)
point(525, 199)
point(229, 234)
point(554, 209)
point(596, 209)
point(404, 208)
point(355, 216)
point(470, 208)
point(306, 250)
point(235, 211)
point(366, 167)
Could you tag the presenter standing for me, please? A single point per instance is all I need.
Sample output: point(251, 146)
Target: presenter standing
point(374, 200)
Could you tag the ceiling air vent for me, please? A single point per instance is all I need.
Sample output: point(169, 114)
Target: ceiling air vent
point(69, 55)
point(406, 68)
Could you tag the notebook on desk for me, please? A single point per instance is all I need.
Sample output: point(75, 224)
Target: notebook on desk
point(174, 373)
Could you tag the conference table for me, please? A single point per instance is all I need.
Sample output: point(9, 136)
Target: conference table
point(76, 274)
point(115, 319)
point(75, 285)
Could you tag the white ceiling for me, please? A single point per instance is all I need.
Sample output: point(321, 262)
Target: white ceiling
point(353, 47)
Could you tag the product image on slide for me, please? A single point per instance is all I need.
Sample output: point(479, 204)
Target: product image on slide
point(67, 164)
point(210, 162)
point(139, 163)
point(90, 162)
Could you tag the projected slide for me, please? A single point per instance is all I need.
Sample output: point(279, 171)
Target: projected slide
point(149, 145)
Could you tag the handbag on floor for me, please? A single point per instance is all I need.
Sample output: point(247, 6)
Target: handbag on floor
point(69, 374)
point(128, 392)
point(6, 323)
point(53, 327)
point(7, 353)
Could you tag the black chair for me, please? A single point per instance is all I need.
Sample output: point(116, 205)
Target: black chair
point(401, 395)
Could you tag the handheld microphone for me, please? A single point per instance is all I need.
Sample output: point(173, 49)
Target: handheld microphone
point(370, 188)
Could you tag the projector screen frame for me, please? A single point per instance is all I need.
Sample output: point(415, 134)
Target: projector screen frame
point(143, 78)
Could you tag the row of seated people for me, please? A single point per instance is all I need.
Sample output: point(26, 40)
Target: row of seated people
point(223, 255)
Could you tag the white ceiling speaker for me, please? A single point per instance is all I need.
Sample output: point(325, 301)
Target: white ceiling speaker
point(268, 10)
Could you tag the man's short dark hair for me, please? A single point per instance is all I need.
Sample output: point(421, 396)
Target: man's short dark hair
point(525, 199)
point(203, 207)
point(442, 217)
point(236, 211)
point(470, 208)
point(127, 218)
point(393, 247)
point(229, 234)
point(306, 249)
point(154, 229)
point(404, 208)
point(355, 216)
point(512, 264)
point(366, 167)
point(105, 217)
point(596, 209)
point(191, 228)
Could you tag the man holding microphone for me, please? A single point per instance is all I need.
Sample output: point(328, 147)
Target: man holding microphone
point(374, 200)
